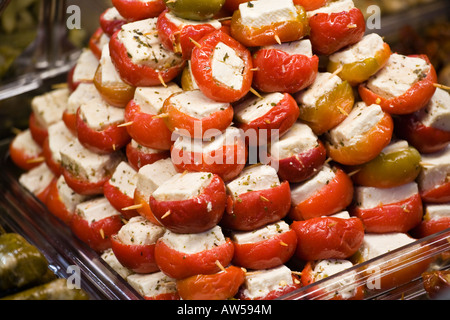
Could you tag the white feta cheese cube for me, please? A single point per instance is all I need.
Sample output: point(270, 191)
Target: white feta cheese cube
point(261, 283)
point(255, 107)
point(437, 113)
point(227, 67)
point(82, 94)
point(96, 210)
point(109, 72)
point(194, 243)
point(258, 14)
point(369, 197)
point(375, 244)
point(366, 48)
point(151, 176)
point(139, 231)
point(49, 107)
point(58, 137)
point(254, 178)
point(110, 259)
point(183, 186)
point(334, 6)
point(152, 284)
point(98, 114)
point(86, 67)
point(261, 234)
point(399, 74)
point(303, 47)
point(302, 191)
point(124, 179)
point(435, 169)
point(24, 141)
point(325, 82)
point(151, 99)
point(360, 120)
point(37, 179)
point(196, 104)
point(298, 139)
point(67, 196)
point(437, 211)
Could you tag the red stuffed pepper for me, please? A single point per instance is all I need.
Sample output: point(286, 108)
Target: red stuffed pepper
point(326, 103)
point(139, 156)
point(95, 222)
point(25, 152)
point(222, 285)
point(357, 63)
point(328, 192)
point(427, 129)
point(85, 171)
point(436, 219)
point(289, 67)
point(192, 114)
point(222, 67)
point(225, 155)
point(335, 25)
point(120, 188)
point(139, 57)
point(190, 202)
point(397, 209)
point(101, 134)
point(184, 255)
point(264, 248)
point(403, 86)
point(264, 119)
point(256, 198)
point(262, 23)
point(141, 117)
point(111, 21)
point(279, 282)
point(298, 155)
point(134, 10)
point(361, 136)
point(346, 289)
point(434, 184)
point(328, 238)
point(180, 35)
point(134, 245)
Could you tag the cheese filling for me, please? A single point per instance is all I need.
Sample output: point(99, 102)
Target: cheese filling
point(98, 114)
point(37, 179)
point(194, 243)
point(24, 141)
point(67, 196)
point(256, 108)
point(435, 169)
point(261, 283)
point(261, 234)
point(151, 176)
point(325, 82)
point(375, 244)
point(360, 121)
point(96, 210)
point(82, 94)
point(151, 99)
point(58, 137)
point(110, 258)
point(86, 67)
point(195, 104)
point(437, 113)
point(260, 177)
point(183, 186)
point(49, 107)
point(302, 47)
point(152, 284)
point(124, 179)
point(144, 47)
point(139, 231)
point(258, 14)
point(399, 74)
point(366, 48)
point(227, 67)
point(369, 197)
point(109, 72)
point(333, 6)
point(437, 211)
point(298, 139)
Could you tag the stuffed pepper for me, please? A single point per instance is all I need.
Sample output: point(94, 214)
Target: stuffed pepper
point(25, 152)
point(256, 198)
point(95, 222)
point(120, 188)
point(268, 284)
point(397, 164)
point(58, 137)
point(326, 193)
point(141, 117)
point(46, 109)
point(184, 255)
point(85, 171)
point(298, 155)
point(134, 245)
point(264, 248)
point(193, 114)
point(433, 180)
point(436, 219)
point(139, 156)
point(333, 237)
point(190, 202)
point(427, 129)
point(150, 177)
point(111, 21)
point(109, 84)
point(154, 286)
point(82, 94)
point(335, 25)
point(345, 288)
point(224, 155)
point(222, 285)
point(267, 118)
point(289, 67)
point(99, 127)
point(403, 86)
point(262, 23)
point(361, 136)
point(222, 67)
point(62, 200)
point(134, 10)
point(357, 63)
point(383, 210)
point(38, 181)
point(139, 57)
point(180, 35)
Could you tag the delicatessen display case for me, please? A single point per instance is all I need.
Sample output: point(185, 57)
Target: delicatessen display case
point(225, 150)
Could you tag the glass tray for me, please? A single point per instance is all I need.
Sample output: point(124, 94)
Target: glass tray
point(21, 212)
